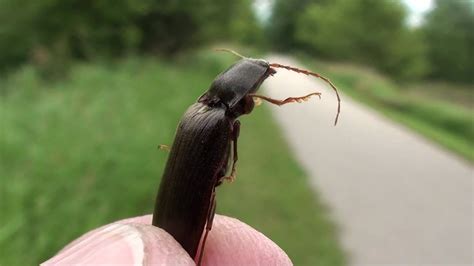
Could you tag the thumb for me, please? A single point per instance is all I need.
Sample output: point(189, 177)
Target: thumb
point(123, 243)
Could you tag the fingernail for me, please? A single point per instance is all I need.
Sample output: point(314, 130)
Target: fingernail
point(132, 244)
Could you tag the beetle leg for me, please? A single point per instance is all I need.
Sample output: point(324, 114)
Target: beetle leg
point(287, 100)
point(164, 147)
point(235, 157)
point(210, 218)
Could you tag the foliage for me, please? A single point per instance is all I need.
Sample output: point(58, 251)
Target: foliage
point(371, 32)
point(449, 33)
point(82, 152)
point(51, 32)
point(282, 26)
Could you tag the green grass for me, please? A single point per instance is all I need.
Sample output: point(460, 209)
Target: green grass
point(81, 152)
point(446, 120)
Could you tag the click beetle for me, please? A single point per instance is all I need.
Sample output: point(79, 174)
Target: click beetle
point(205, 143)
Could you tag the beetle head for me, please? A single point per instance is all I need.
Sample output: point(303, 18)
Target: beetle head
point(232, 86)
point(232, 89)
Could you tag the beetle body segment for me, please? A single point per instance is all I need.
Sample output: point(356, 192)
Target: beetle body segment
point(197, 160)
point(240, 79)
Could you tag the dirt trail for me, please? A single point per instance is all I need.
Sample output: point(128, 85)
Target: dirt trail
point(397, 198)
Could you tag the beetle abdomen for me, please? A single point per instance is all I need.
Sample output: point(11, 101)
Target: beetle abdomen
point(198, 155)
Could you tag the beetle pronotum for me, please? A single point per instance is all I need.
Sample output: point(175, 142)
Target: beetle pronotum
point(205, 141)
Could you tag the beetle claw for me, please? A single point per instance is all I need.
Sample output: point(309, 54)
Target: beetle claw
point(231, 178)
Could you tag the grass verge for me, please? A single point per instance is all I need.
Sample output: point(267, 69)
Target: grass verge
point(82, 152)
point(447, 121)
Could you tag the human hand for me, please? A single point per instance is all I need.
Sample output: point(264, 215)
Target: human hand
point(136, 241)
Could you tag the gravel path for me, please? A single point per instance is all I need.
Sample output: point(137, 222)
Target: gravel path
point(396, 197)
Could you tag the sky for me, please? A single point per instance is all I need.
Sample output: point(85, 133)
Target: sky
point(416, 9)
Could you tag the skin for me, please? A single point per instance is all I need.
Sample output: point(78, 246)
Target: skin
point(136, 241)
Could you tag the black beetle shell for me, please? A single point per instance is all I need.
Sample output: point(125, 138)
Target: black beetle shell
point(236, 82)
point(197, 161)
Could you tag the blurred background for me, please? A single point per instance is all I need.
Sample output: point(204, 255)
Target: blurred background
point(89, 89)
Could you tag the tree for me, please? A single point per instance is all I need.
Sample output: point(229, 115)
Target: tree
point(372, 32)
point(282, 25)
point(53, 31)
point(170, 26)
point(449, 34)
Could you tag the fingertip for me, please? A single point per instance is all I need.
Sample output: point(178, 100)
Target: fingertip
point(232, 242)
point(135, 241)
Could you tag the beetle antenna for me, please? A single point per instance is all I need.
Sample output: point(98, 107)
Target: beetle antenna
point(307, 72)
point(230, 51)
